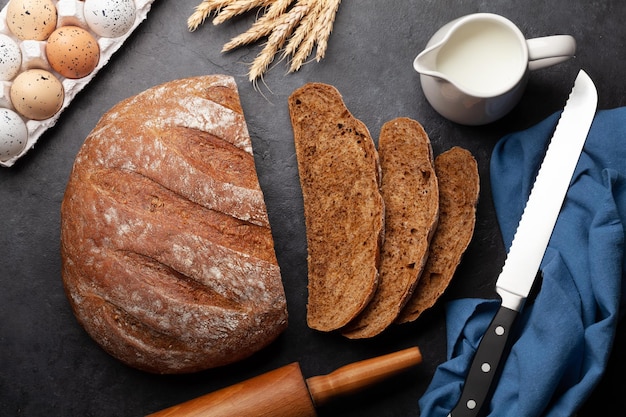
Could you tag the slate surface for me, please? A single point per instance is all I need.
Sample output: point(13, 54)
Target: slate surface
point(50, 366)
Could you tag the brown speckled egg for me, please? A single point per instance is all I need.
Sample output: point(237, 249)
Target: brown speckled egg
point(37, 94)
point(31, 19)
point(72, 52)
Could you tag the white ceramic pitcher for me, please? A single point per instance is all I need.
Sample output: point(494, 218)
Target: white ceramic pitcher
point(474, 69)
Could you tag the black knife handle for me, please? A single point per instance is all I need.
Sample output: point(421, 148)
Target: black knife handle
point(485, 365)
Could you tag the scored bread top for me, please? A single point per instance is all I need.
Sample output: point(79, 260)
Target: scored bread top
point(344, 211)
point(411, 195)
point(459, 186)
point(168, 257)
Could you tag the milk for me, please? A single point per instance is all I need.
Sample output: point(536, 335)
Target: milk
point(484, 58)
point(474, 68)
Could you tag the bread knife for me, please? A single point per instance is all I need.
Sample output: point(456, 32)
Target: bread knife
point(530, 242)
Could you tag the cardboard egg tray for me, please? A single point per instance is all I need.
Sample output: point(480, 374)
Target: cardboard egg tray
point(70, 13)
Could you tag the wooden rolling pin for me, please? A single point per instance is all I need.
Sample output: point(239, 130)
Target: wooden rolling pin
point(285, 393)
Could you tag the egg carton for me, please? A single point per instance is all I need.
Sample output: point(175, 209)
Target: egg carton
point(70, 13)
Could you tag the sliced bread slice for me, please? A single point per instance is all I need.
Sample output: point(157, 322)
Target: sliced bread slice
point(343, 208)
point(411, 196)
point(459, 186)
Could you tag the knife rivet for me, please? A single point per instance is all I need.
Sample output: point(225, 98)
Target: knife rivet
point(485, 367)
point(471, 404)
point(499, 330)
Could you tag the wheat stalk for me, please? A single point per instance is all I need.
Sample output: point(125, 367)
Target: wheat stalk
point(204, 10)
point(304, 27)
point(300, 24)
point(303, 41)
point(261, 27)
point(283, 29)
point(237, 7)
point(325, 27)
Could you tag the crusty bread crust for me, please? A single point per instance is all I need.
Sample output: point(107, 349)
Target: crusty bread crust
point(168, 257)
point(344, 210)
point(459, 186)
point(411, 195)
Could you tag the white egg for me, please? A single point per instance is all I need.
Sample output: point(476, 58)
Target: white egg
point(10, 58)
point(13, 134)
point(110, 18)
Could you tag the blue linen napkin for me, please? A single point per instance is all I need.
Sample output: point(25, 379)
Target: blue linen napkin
point(563, 337)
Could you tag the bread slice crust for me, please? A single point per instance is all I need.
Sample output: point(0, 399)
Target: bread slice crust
point(411, 195)
point(459, 188)
point(340, 179)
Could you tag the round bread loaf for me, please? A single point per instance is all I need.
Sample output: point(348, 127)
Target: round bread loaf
point(168, 257)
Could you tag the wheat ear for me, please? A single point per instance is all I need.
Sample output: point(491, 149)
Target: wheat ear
point(325, 27)
point(283, 29)
point(300, 33)
point(238, 7)
point(260, 28)
point(304, 38)
point(204, 10)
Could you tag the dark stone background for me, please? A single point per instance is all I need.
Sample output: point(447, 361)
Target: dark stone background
point(50, 366)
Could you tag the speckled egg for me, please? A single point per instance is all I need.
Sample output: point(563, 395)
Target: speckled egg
point(72, 52)
point(31, 19)
point(110, 18)
point(10, 58)
point(13, 134)
point(37, 94)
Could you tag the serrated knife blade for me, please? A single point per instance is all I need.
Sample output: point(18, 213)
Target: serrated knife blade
point(530, 241)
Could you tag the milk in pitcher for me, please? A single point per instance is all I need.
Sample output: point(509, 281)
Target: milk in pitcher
point(485, 59)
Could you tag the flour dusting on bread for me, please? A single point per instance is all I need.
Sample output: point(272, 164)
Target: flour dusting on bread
point(168, 256)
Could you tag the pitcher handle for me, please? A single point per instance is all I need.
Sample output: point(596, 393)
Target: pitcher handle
point(550, 50)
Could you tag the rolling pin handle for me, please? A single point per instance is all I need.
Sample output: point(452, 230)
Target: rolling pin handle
point(356, 376)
